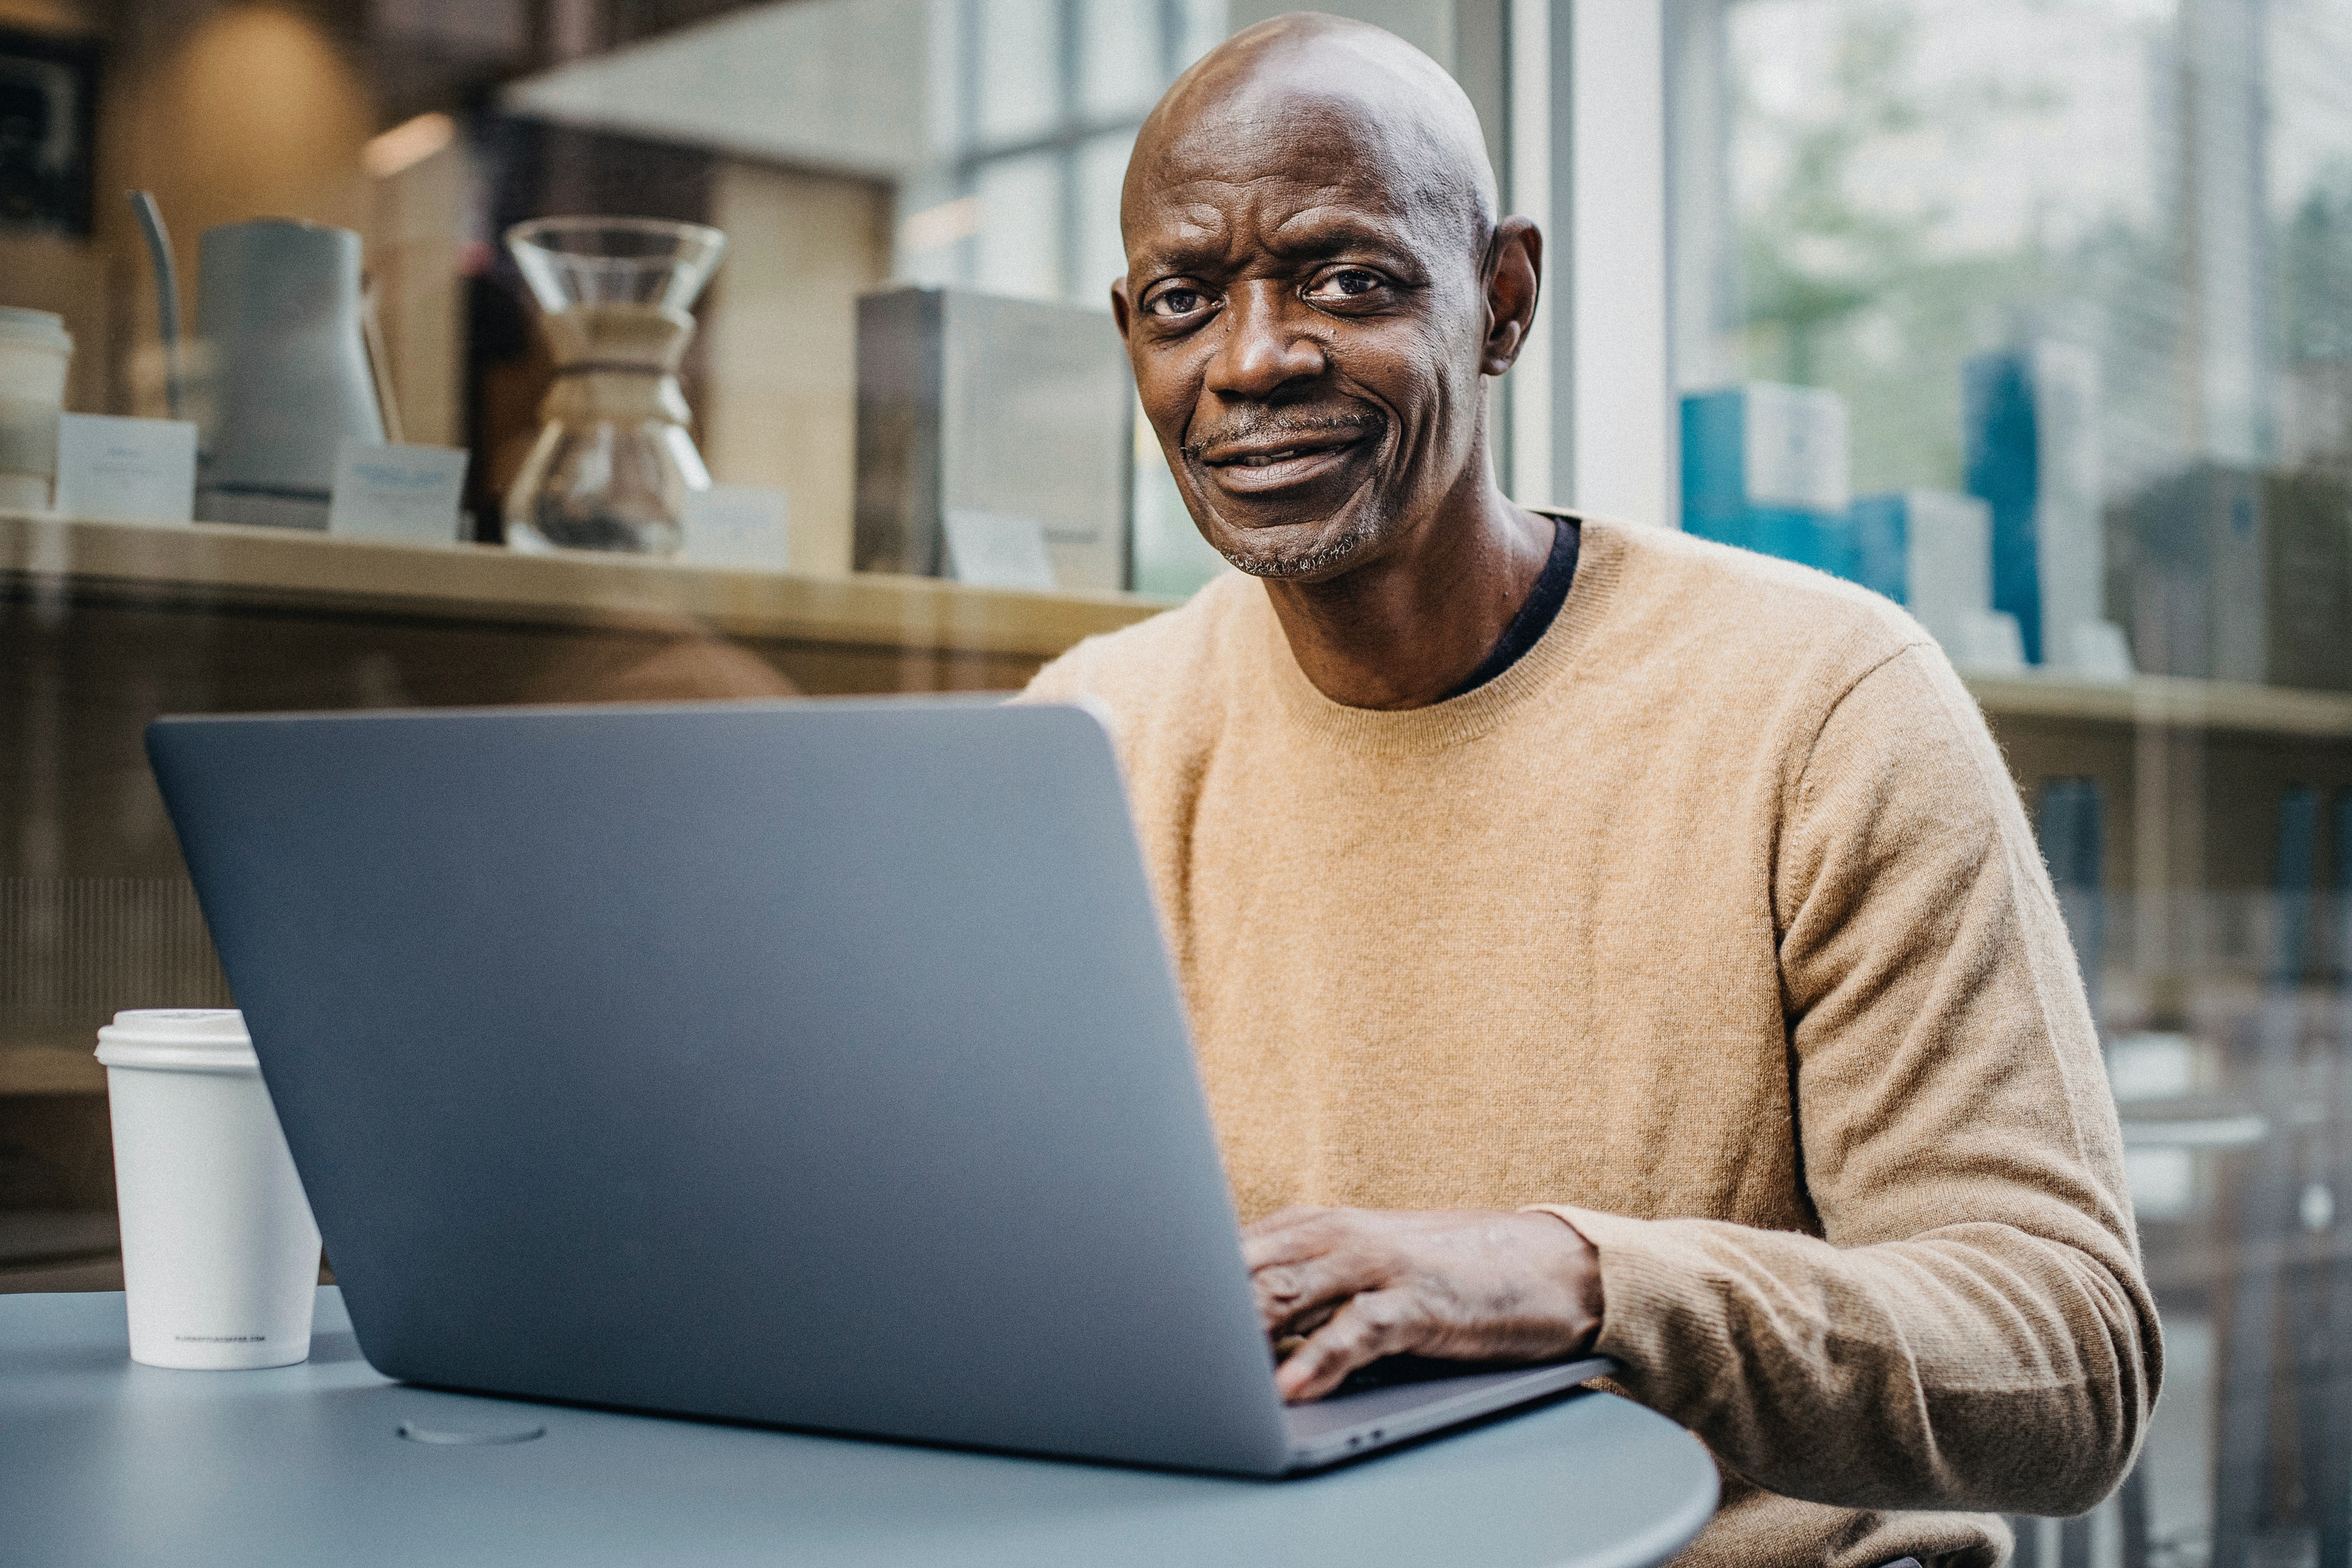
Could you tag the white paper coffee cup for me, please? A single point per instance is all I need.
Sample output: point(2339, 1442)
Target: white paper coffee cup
point(220, 1254)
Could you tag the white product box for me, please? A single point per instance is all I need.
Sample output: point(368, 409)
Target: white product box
point(1797, 450)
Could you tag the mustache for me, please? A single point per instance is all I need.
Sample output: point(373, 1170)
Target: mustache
point(1253, 427)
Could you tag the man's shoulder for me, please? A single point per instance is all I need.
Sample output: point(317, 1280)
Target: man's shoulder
point(1733, 615)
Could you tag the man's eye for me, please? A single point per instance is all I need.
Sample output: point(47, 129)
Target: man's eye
point(1176, 302)
point(1346, 283)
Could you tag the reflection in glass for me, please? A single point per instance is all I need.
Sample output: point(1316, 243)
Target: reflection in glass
point(1102, 253)
point(1039, 86)
point(2067, 289)
point(1121, 57)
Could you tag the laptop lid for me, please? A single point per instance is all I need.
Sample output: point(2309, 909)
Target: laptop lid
point(818, 1064)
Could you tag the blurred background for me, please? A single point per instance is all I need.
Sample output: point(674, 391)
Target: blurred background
point(2035, 315)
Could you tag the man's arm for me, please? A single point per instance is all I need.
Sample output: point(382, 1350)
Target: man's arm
point(1972, 1328)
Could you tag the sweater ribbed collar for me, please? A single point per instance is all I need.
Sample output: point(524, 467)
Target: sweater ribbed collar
point(1554, 661)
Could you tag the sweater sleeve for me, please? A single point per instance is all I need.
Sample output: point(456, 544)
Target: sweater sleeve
point(1971, 1329)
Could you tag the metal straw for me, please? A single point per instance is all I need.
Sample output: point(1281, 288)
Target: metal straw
point(167, 292)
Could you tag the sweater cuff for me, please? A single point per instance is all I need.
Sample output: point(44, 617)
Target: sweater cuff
point(1642, 1289)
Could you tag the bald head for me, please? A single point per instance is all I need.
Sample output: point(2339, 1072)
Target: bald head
point(1316, 290)
point(1409, 125)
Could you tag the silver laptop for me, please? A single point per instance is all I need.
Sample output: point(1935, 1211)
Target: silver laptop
point(811, 1064)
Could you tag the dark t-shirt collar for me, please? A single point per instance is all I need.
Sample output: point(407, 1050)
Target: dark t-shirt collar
point(1534, 617)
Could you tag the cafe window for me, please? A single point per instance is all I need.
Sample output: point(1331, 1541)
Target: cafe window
point(2035, 315)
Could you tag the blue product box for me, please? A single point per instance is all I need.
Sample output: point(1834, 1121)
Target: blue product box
point(1765, 469)
point(2032, 455)
point(1931, 552)
point(1881, 526)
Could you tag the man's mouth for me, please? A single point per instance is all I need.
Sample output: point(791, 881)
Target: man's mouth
point(1281, 455)
point(1260, 461)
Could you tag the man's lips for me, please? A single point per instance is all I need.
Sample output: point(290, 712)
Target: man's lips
point(1262, 453)
point(1275, 461)
point(1259, 472)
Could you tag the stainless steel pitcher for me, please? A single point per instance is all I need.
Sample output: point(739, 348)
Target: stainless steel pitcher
point(282, 371)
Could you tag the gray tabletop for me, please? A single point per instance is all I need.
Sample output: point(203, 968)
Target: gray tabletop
point(105, 1462)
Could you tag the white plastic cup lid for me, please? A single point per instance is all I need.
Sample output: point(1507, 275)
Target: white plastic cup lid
point(36, 329)
point(198, 1038)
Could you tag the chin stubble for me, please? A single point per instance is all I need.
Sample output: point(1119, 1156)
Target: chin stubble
point(1329, 554)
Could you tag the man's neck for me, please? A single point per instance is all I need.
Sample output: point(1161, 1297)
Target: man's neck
point(1405, 629)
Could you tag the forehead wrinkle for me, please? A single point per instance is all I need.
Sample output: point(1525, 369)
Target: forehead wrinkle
point(1206, 227)
point(1395, 181)
point(1245, 144)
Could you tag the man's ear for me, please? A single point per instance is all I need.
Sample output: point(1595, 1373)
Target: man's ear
point(1119, 305)
point(1514, 268)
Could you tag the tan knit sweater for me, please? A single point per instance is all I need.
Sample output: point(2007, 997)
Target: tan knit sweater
point(1714, 924)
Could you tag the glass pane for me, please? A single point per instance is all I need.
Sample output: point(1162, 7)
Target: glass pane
point(836, 145)
point(2310, 132)
point(1120, 69)
point(2032, 316)
point(1102, 255)
point(1020, 250)
point(1200, 24)
point(952, 116)
point(1020, 70)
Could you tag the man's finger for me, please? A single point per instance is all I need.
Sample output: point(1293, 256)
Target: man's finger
point(1290, 1235)
point(1292, 1298)
point(1368, 1327)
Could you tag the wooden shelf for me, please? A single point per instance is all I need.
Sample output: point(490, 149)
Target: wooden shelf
point(2172, 702)
point(218, 564)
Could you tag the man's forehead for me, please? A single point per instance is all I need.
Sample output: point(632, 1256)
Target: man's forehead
point(1295, 167)
point(1325, 135)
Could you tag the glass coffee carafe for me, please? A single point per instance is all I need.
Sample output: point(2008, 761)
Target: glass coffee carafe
point(611, 467)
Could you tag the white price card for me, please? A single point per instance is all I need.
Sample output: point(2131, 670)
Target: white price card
point(993, 551)
point(736, 525)
point(405, 493)
point(126, 470)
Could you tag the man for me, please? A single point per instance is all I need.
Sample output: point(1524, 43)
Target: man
point(1594, 938)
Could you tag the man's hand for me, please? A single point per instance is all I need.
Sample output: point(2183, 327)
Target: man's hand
point(1459, 1285)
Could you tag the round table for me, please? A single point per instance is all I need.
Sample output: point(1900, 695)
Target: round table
point(104, 1462)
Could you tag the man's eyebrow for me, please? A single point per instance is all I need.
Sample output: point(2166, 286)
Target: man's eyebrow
point(1197, 252)
point(1314, 233)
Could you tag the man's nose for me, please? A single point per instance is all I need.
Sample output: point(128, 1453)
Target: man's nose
point(1264, 348)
